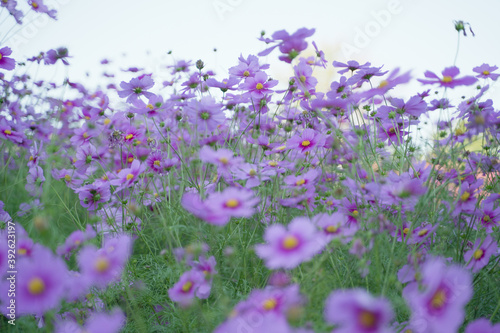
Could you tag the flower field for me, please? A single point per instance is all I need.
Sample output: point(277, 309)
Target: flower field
point(236, 202)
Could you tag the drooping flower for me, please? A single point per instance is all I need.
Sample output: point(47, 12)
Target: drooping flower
point(357, 311)
point(52, 56)
point(289, 247)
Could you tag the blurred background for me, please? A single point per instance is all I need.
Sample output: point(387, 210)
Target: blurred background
point(413, 35)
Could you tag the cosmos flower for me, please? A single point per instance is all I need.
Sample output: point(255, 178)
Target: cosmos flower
point(289, 247)
point(479, 256)
point(40, 283)
point(357, 311)
point(482, 325)
point(289, 45)
point(136, 88)
point(184, 290)
point(97, 322)
point(258, 86)
point(93, 194)
point(6, 62)
point(449, 79)
point(127, 177)
point(438, 306)
point(205, 114)
point(306, 141)
point(484, 71)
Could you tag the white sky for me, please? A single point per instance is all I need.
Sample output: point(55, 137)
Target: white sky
point(420, 36)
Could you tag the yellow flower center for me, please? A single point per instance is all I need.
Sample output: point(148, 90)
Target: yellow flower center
point(383, 84)
point(465, 196)
point(447, 79)
point(459, 131)
point(34, 5)
point(130, 159)
point(332, 229)
point(302, 78)
point(478, 254)
point(392, 130)
point(305, 143)
point(486, 72)
point(272, 163)
point(300, 182)
point(259, 86)
point(252, 172)
point(187, 286)
point(269, 304)
point(438, 299)
point(355, 213)
point(0, 53)
point(31, 158)
point(150, 106)
point(7, 132)
point(36, 286)
point(157, 162)
point(130, 136)
point(223, 160)
point(22, 251)
point(423, 232)
point(67, 178)
point(246, 73)
point(130, 176)
point(367, 319)
point(85, 135)
point(290, 242)
point(107, 121)
point(281, 148)
point(101, 265)
point(78, 242)
point(406, 231)
point(232, 203)
point(486, 218)
point(87, 117)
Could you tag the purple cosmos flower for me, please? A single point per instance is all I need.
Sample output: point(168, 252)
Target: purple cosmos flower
point(489, 216)
point(35, 180)
point(258, 86)
point(127, 177)
point(232, 202)
point(479, 256)
point(93, 194)
point(39, 7)
point(351, 65)
point(52, 56)
point(334, 226)
point(75, 239)
point(207, 267)
point(449, 78)
point(466, 200)
point(205, 114)
point(484, 71)
point(193, 204)
point(103, 266)
point(85, 158)
point(40, 283)
point(482, 325)
point(357, 311)
point(224, 85)
point(187, 287)
point(306, 180)
point(438, 307)
point(303, 76)
point(97, 322)
point(290, 45)
point(136, 88)
point(6, 62)
point(289, 247)
point(306, 141)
